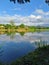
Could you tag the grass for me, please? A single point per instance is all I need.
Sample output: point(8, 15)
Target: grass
point(39, 57)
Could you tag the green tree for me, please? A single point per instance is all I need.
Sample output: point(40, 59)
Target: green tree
point(25, 1)
point(47, 1)
point(22, 25)
point(8, 26)
point(20, 1)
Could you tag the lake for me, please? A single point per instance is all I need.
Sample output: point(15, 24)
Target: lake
point(14, 46)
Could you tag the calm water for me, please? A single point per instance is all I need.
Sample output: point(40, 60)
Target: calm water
point(14, 46)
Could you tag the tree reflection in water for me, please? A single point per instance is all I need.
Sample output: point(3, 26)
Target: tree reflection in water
point(11, 34)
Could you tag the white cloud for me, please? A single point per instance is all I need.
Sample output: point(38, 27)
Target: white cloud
point(41, 12)
point(33, 19)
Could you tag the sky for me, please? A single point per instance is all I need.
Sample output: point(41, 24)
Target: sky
point(34, 13)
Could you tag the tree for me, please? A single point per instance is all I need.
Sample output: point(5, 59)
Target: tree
point(23, 1)
point(47, 1)
point(20, 1)
point(22, 25)
point(12, 23)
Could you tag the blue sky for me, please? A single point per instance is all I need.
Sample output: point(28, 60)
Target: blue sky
point(36, 8)
point(24, 9)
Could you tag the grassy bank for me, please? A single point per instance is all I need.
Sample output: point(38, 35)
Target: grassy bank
point(39, 57)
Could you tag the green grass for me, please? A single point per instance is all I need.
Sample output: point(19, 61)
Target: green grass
point(39, 57)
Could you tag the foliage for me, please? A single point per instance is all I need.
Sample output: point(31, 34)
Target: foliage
point(25, 1)
point(39, 57)
point(21, 28)
point(20, 1)
point(22, 33)
point(12, 23)
point(47, 1)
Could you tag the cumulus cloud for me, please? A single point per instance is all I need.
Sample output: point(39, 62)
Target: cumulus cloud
point(40, 19)
point(41, 12)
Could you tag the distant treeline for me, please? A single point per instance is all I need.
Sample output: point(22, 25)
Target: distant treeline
point(21, 28)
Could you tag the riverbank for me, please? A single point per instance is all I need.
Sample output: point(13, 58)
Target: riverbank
point(22, 28)
point(39, 57)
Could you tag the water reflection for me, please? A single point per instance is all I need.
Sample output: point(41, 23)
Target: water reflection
point(41, 43)
point(14, 45)
point(42, 37)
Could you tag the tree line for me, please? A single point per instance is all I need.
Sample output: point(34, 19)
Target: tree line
point(25, 1)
